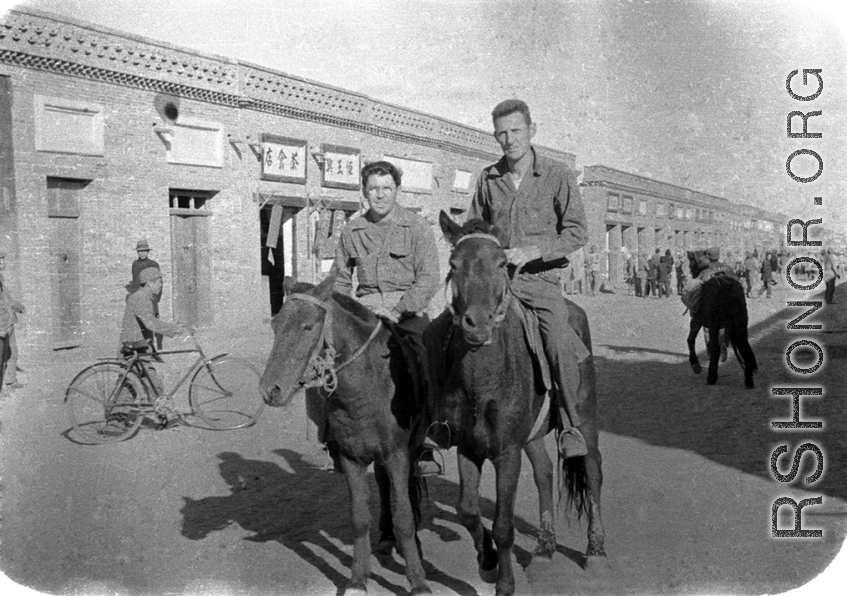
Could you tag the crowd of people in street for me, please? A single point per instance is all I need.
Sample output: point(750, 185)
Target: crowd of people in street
point(661, 274)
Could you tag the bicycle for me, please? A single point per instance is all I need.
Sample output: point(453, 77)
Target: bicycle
point(108, 401)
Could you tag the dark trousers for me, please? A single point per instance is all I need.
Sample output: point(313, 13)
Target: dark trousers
point(829, 293)
point(638, 291)
point(4, 357)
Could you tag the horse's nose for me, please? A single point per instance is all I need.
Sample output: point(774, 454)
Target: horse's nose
point(468, 322)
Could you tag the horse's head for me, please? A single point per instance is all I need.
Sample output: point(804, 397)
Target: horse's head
point(297, 329)
point(697, 261)
point(478, 277)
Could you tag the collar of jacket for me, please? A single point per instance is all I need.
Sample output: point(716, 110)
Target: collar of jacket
point(399, 216)
point(539, 165)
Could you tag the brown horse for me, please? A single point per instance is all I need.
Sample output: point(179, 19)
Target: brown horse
point(722, 306)
point(488, 395)
point(327, 339)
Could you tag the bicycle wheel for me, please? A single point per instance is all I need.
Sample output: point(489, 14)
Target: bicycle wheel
point(102, 407)
point(224, 394)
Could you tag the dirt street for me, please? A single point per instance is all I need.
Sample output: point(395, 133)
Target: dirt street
point(686, 501)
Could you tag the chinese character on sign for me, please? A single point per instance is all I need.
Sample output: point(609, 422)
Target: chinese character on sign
point(341, 167)
point(284, 159)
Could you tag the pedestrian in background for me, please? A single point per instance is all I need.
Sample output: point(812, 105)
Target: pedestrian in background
point(751, 270)
point(6, 325)
point(592, 269)
point(142, 249)
point(830, 274)
point(767, 275)
point(9, 380)
point(681, 276)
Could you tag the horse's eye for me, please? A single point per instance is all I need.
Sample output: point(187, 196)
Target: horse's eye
point(503, 263)
point(308, 326)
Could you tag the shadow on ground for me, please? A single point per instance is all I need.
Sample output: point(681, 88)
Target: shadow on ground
point(665, 404)
point(307, 511)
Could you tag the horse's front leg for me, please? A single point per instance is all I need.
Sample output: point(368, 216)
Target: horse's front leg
point(468, 512)
point(403, 517)
point(542, 472)
point(360, 518)
point(387, 541)
point(508, 467)
point(693, 330)
point(714, 348)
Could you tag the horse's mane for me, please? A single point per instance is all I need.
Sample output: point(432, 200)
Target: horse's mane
point(354, 307)
point(477, 226)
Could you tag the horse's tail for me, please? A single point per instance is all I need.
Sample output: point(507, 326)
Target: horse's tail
point(741, 345)
point(573, 482)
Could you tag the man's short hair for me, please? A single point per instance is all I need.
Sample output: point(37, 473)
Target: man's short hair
point(381, 168)
point(510, 106)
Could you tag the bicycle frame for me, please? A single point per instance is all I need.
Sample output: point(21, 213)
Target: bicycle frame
point(135, 364)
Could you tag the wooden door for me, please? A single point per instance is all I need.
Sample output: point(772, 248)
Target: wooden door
point(191, 270)
point(65, 268)
point(64, 197)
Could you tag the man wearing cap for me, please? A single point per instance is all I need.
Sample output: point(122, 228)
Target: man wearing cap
point(140, 323)
point(537, 205)
point(138, 265)
point(711, 259)
point(9, 379)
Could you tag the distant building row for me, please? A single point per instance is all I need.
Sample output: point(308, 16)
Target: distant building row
point(238, 175)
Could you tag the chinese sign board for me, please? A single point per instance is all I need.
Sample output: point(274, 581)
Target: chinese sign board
point(341, 167)
point(284, 159)
point(417, 175)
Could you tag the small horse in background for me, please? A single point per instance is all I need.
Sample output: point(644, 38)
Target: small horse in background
point(489, 396)
point(722, 305)
point(371, 407)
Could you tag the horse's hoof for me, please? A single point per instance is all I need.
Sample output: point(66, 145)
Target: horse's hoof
point(489, 576)
point(356, 591)
point(750, 385)
point(421, 590)
point(696, 368)
point(597, 564)
point(711, 380)
point(544, 549)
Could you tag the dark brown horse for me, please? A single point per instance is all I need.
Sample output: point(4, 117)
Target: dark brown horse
point(489, 396)
point(329, 339)
point(722, 306)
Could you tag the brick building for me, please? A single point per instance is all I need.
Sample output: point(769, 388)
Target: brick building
point(638, 214)
point(235, 174)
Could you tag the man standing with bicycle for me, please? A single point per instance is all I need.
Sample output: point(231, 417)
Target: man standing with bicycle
point(141, 324)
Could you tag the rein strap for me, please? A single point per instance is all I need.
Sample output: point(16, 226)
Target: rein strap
point(322, 371)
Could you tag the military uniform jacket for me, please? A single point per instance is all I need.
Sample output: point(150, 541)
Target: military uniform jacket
point(546, 211)
point(396, 255)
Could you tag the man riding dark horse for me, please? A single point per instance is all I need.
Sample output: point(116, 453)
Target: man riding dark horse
point(537, 205)
point(393, 253)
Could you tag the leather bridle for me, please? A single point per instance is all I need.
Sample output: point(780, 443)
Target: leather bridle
point(321, 371)
point(506, 296)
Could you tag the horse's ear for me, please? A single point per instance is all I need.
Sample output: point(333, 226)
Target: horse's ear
point(324, 288)
point(451, 230)
point(692, 256)
point(288, 285)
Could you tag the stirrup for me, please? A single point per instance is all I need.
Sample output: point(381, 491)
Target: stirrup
point(435, 469)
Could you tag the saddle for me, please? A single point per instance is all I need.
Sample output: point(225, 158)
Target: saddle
point(529, 322)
